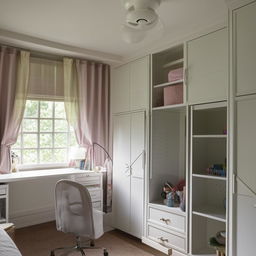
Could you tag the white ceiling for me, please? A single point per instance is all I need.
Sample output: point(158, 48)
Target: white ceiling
point(96, 24)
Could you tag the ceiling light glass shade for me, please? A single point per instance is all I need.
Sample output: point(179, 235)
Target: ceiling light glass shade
point(131, 35)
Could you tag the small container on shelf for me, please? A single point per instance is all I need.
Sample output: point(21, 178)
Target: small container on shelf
point(175, 74)
point(173, 94)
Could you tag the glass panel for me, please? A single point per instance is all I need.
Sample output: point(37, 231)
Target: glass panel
point(60, 110)
point(61, 126)
point(29, 156)
point(46, 125)
point(45, 140)
point(46, 156)
point(30, 140)
point(18, 143)
point(29, 125)
point(46, 109)
point(60, 155)
point(73, 141)
point(60, 140)
point(31, 109)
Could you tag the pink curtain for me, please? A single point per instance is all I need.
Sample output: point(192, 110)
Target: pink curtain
point(94, 111)
point(13, 85)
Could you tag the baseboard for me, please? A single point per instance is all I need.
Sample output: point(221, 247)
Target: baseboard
point(32, 217)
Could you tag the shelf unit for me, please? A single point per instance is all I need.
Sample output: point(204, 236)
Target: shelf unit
point(208, 194)
point(165, 92)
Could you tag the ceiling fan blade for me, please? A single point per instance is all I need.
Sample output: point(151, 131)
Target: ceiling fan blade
point(132, 36)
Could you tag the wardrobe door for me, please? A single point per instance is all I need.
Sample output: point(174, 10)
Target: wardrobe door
point(137, 172)
point(139, 83)
point(245, 49)
point(121, 89)
point(246, 142)
point(207, 67)
point(121, 172)
point(246, 225)
point(246, 177)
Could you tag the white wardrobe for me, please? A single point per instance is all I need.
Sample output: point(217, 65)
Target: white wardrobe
point(243, 100)
point(129, 108)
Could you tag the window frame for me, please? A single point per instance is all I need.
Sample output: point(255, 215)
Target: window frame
point(51, 165)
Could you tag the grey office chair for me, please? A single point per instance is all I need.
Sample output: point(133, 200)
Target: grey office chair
point(74, 214)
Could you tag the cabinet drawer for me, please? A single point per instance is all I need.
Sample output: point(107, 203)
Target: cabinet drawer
point(3, 190)
point(166, 239)
point(167, 219)
point(95, 194)
point(88, 179)
point(96, 205)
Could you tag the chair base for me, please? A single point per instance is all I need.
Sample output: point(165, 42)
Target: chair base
point(80, 248)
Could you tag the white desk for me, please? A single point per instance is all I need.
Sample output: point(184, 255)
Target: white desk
point(92, 180)
point(31, 175)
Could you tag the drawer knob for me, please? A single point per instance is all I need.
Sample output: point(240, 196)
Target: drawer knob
point(165, 220)
point(163, 239)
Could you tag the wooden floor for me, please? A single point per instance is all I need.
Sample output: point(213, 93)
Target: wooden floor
point(38, 240)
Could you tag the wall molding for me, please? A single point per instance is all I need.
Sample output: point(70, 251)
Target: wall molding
point(37, 44)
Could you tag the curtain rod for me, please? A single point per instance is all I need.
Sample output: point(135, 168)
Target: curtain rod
point(49, 56)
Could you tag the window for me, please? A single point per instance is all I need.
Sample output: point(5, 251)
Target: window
point(45, 136)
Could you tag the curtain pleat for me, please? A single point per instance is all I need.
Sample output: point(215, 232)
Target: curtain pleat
point(14, 73)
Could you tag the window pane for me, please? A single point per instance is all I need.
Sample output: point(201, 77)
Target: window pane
point(45, 140)
point(46, 109)
point(30, 140)
point(18, 143)
point(29, 156)
point(60, 140)
point(46, 125)
point(60, 155)
point(31, 109)
point(46, 156)
point(29, 125)
point(61, 126)
point(60, 110)
point(73, 141)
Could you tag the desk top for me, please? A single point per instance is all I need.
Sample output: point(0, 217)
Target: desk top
point(31, 175)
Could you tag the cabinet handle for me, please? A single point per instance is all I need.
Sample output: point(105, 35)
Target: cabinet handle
point(165, 220)
point(163, 239)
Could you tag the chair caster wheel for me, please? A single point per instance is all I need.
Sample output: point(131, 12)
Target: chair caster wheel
point(52, 253)
point(105, 253)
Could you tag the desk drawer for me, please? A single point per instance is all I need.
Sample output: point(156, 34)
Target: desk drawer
point(167, 219)
point(88, 179)
point(95, 194)
point(166, 238)
point(96, 205)
point(3, 190)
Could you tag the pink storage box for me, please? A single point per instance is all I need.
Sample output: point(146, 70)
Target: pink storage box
point(173, 94)
point(175, 74)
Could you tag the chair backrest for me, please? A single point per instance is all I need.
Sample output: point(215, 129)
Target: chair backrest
point(73, 209)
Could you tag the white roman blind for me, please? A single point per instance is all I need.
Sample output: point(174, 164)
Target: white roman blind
point(46, 79)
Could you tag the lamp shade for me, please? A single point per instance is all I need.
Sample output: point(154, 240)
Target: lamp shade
point(77, 153)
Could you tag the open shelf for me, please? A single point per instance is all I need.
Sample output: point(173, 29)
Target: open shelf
point(169, 83)
point(205, 176)
point(211, 212)
point(169, 107)
point(173, 63)
point(210, 136)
